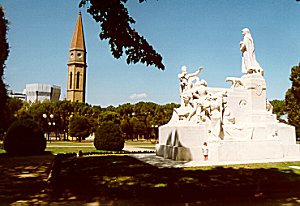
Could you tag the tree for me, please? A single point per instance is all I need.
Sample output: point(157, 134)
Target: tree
point(292, 100)
point(63, 110)
point(112, 116)
point(138, 127)
point(79, 127)
point(13, 105)
point(115, 24)
point(108, 137)
point(4, 50)
point(279, 108)
point(126, 128)
point(24, 137)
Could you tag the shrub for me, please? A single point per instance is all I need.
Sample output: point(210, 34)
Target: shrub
point(79, 127)
point(109, 137)
point(24, 137)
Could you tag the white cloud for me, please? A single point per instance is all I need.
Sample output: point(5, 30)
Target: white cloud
point(138, 96)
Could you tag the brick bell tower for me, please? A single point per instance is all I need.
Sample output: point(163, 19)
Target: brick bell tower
point(77, 65)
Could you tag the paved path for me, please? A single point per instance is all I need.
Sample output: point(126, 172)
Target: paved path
point(162, 162)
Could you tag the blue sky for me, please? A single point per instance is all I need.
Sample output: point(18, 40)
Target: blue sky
point(185, 32)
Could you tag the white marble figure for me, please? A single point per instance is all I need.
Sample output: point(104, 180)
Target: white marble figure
point(237, 122)
point(201, 101)
point(200, 106)
point(215, 116)
point(186, 110)
point(228, 116)
point(236, 82)
point(185, 80)
point(249, 63)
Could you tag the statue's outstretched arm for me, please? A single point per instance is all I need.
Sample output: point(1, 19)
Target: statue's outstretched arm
point(195, 73)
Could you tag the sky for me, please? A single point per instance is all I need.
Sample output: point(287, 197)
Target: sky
point(185, 32)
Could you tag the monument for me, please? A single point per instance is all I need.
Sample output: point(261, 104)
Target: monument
point(234, 124)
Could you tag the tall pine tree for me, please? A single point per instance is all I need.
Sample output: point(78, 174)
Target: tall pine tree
point(292, 100)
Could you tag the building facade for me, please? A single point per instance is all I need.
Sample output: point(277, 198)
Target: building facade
point(41, 92)
point(77, 65)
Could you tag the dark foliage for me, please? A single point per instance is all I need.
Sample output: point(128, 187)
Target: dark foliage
point(136, 120)
point(115, 22)
point(4, 49)
point(279, 108)
point(24, 137)
point(292, 100)
point(109, 137)
point(23, 177)
point(79, 127)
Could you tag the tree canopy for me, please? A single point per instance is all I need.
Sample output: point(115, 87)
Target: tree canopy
point(292, 99)
point(115, 24)
point(79, 127)
point(136, 120)
point(4, 50)
point(279, 108)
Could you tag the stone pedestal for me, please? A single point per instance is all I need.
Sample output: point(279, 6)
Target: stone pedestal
point(181, 142)
point(255, 134)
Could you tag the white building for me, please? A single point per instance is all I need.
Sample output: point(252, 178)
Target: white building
point(41, 92)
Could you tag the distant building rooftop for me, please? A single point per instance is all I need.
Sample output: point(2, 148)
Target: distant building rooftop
point(38, 92)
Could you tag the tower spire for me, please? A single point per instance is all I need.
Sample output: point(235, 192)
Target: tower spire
point(77, 65)
point(78, 36)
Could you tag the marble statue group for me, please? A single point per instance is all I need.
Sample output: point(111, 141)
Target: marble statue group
point(236, 123)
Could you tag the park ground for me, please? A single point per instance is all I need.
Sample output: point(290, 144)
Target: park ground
point(57, 178)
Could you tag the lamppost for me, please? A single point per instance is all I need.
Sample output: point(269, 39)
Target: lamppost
point(155, 127)
point(50, 123)
point(68, 129)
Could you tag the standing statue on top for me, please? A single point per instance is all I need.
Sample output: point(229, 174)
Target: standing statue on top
point(249, 63)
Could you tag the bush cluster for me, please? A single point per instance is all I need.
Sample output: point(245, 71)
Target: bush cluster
point(109, 137)
point(24, 137)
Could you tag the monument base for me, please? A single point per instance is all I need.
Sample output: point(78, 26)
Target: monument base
point(184, 143)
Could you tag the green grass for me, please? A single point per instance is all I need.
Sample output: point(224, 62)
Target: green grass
point(57, 147)
point(23, 177)
point(285, 167)
point(69, 143)
point(63, 150)
point(70, 147)
point(140, 144)
point(125, 178)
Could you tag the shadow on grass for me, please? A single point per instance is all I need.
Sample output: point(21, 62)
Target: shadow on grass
point(23, 177)
point(124, 178)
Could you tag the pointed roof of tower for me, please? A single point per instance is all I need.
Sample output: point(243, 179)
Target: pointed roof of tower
point(78, 37)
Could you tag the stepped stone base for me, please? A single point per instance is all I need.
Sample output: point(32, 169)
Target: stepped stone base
point(184, 143)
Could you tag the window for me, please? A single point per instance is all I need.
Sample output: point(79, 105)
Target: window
point(71, 77)
point(77, 80)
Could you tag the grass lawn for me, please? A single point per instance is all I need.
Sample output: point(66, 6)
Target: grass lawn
point(70, 147)
point(56, 147)
point(23, 178)
point(124, 180)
